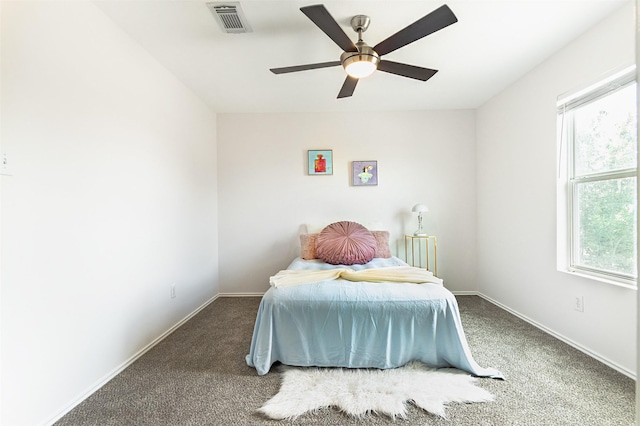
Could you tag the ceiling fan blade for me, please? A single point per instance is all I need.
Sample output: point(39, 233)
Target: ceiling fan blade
point(321, 17)
point(434, 21)
point(406, 70)
point(348, 87)
point(296, 68)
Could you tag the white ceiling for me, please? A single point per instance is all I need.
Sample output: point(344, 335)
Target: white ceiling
point(492, 45)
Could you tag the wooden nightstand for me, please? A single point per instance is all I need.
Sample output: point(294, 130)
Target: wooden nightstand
point(413, 251)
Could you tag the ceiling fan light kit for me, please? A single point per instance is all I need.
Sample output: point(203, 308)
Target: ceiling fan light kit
point(359, 60)
point(362, 63)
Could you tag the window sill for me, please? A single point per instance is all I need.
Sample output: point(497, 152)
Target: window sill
point(626, 284)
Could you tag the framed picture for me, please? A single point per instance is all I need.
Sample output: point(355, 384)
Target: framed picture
point(365, 173)
point(320, 162)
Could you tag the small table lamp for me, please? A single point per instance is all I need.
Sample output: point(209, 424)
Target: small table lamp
point(420, 208)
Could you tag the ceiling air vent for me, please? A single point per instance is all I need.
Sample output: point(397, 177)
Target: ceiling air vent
point(230, 17)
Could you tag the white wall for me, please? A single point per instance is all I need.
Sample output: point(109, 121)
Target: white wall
point(637, 40)
point(517, 172)
point(112, 200)
point(265, 193)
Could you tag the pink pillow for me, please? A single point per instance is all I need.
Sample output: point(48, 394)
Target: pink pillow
point(308, 245)
point(345, 243)
point(382, 244)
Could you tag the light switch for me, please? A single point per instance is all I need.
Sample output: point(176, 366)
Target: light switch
point(5, 165)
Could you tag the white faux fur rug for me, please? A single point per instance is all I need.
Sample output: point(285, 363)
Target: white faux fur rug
point(358, 392)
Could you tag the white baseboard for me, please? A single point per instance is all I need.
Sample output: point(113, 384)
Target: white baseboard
point(241, 294)
point(558, 336)
point(104, 380)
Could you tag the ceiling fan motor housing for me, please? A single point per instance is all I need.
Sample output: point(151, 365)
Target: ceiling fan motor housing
point(364, 55)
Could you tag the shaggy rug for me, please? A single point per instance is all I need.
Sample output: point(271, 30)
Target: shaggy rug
point(358, 392)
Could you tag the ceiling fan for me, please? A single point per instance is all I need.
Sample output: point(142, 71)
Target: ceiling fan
point(359, 59)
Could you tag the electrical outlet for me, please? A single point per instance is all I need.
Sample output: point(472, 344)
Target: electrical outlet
point(579, 304)
point(173, 291)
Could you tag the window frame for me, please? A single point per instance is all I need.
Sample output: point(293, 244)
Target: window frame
point(566, 108)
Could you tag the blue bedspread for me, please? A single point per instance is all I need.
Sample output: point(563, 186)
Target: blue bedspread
point(359, 324)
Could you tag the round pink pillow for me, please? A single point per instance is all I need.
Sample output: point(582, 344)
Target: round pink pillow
point(345, 243)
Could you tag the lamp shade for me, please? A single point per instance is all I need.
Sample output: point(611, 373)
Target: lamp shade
point(420, 208)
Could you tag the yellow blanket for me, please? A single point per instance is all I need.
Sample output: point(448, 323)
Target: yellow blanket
point(404, 274)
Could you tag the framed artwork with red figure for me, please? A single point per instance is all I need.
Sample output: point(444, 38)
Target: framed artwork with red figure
point(320, 162)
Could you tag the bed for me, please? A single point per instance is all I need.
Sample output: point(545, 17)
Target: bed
point(355, 323)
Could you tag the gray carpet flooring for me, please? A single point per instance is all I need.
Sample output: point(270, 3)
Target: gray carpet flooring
point(198, 376)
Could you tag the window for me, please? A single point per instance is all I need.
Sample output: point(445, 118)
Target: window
point(599, 140)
